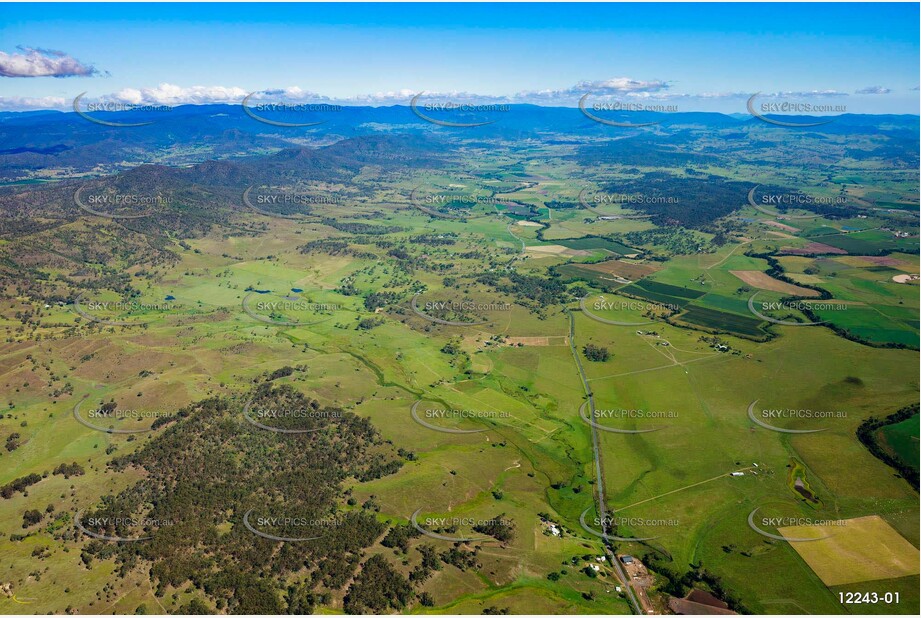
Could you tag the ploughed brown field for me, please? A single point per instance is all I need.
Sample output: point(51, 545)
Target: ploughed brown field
point(763, 281)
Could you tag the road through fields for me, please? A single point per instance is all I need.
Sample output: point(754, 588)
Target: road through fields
point(599, 479)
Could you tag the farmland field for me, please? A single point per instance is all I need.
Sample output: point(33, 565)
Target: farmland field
point(901, 439)
point(854, 550)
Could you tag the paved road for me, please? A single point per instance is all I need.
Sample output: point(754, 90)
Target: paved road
point(599, 478)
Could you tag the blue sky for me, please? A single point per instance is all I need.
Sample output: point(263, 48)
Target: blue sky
point(696, 56)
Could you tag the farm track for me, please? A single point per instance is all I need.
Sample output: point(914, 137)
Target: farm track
point(599, 477)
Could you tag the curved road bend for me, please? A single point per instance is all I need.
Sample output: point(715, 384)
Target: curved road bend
point(599, 478)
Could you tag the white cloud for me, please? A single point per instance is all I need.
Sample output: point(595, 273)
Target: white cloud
point(873, 90)
point(291, 93)
point(34, 62)
point(22, 103)
point(620, 85)
point(807, 94)
point(171, 94)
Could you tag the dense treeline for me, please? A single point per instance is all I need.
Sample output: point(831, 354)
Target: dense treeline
point(866, 433)
point(370, 229)
point(20, 484)
point(69, 470)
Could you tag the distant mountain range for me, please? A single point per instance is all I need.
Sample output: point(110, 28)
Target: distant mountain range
point(189, 134)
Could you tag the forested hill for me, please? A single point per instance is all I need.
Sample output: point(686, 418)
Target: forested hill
point(209, 467)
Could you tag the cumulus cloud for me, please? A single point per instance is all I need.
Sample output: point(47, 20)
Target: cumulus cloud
point(721, 95)
point(21, 103)
point(171, 94)
point(620, 85)
point(36, 62)
point(873, 90)
point(291, 93)
point(624, 87)
point(804, 94)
